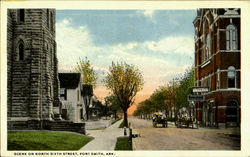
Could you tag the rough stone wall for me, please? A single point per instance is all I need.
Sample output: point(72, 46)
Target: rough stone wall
point(9, 63)
point(33, 82)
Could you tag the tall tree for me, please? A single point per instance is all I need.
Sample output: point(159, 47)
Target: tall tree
point(124, 81)
point(185, 88)
point(89, 76)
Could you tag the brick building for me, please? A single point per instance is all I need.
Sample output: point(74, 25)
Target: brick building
point(33, 84)
point(217, 66)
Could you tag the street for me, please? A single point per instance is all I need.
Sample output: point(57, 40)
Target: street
point(173, 138)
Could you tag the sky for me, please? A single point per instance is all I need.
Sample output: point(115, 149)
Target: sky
point(159, 42)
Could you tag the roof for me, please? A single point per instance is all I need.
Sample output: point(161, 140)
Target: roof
point(69, 80)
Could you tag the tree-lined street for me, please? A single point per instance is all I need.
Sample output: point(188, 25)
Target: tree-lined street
point(173, 138)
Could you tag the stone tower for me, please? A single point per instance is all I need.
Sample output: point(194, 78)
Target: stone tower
point(33, 84)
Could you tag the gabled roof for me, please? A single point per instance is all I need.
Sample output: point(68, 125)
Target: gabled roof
point(69, 80)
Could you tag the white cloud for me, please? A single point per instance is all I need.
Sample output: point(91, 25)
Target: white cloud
point(149, 13)
point(74, 42)
point(170, 44)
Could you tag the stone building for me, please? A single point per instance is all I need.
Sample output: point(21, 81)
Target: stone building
point(33, 84)
point(217, 66)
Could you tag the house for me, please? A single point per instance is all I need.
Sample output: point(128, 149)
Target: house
point(95, 109)
point(32, 79)
point(217, 66)
point(73, 107)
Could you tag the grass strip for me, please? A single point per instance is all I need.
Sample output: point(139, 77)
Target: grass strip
point(123, 143)
point(45, 140)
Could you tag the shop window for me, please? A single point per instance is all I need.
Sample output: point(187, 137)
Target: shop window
point(232, 112)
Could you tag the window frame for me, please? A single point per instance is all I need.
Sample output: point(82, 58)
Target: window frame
point(231, 37)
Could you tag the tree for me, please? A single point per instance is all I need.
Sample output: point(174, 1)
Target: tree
point(124, 81)
point(113, 104)
point(185, 88)
point(89, 76)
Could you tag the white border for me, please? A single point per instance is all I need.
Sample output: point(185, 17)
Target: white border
point(91, 5)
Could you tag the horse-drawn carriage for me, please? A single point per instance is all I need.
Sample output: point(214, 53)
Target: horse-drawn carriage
point(159, 118)
point(184, 119)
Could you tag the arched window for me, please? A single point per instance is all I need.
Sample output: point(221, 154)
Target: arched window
point(208, 45)
point(231, 37)
point(206, 41)
point(21, 15)
point(231, 77)
point(20, 51)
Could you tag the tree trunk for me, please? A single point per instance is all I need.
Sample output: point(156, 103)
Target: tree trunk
point(125, 120)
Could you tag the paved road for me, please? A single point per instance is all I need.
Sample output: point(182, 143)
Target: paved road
point(104, 139)
point(172, 138)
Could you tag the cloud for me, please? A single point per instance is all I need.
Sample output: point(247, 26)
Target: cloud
point(158, 60)
point(172, 44)
point(72, 43)
point(149, 13)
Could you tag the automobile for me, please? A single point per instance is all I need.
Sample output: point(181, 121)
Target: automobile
point(159, 118)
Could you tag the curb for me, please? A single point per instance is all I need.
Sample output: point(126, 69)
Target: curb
point(133, 139)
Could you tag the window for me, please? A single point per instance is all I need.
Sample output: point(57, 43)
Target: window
point(63, 95)
point(231, 37)
point(231, 77)
point(232, 113)
point(21, 15)
point(78, 95)
point(206, 41)
point(208, 46)
point(48, 18)
point(51, 57)
point(218, 80)
point(21, 51)
point(51, 21)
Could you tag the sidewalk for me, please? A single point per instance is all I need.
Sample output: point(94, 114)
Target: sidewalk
point(100, 124)
point(104, 139)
